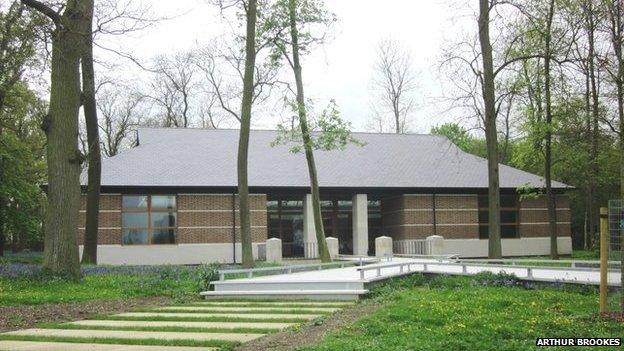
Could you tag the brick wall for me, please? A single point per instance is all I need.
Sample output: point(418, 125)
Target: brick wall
point(534, 217)
point(201, 219)
point(409, 217)
point(109, 231)
point(207, 218)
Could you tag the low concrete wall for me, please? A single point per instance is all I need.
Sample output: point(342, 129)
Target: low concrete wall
point(169, 254)
point(511, 247)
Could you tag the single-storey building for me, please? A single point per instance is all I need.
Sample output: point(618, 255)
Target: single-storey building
point(172, 198)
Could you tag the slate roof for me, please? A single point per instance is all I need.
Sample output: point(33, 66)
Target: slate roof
point(207, 158)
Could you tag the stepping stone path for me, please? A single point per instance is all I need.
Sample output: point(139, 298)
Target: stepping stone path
point(207, 325)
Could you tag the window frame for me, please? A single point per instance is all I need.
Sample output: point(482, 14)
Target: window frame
point(150, 228)
point(482, 207)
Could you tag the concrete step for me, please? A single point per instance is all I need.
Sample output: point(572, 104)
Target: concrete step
point(181, 324)
point(138, 335)
point(275, 304)
point(18, 345)
point(243, 309)
point(279, 294)
point(240, 316)
point(286, 284)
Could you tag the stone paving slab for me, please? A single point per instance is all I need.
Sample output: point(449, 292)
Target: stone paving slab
point(302, 310)
point(220, 315)
point(138, 335)
point(223, 325)
point(13, 345)
point(275, 303)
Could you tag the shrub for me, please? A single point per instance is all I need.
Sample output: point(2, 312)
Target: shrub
point(500, 279)
point(206, 274)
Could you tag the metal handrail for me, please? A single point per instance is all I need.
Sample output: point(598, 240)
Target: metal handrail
point(572, 263)
point(436, 257)
point(366, 259)
point(464, 266)
point(287, 269)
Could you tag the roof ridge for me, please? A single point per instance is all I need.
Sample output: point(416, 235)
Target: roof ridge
point(275, 130)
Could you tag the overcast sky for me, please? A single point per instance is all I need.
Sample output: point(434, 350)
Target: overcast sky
point(342, 69)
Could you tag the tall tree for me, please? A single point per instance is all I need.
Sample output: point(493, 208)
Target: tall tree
point(17, 50)
point(489, 100)
point(292, 22)
point(548, 160)
point(593, 110)
point(61, 129)
point(305, 132)
point(94, 156)
point(243, 141)
point(395, 81)
point(615, 9)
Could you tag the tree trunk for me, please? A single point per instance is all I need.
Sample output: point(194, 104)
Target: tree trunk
point(494, 239)
point(591, 28)
point(61, 129)
point(2, 219)
point(307, 139)
point(550, 196)
point(617, 41)
point(589, 224)
point(89, 254)
point(243, 142)
point(2, 206)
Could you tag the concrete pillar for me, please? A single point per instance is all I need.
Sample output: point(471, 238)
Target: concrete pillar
point(435, 245)
point(360, 224)
point(332, 246)
point(383, 246)
point(310, 249)
point(274, 250)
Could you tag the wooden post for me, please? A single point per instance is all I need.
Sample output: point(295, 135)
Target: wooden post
point(604, 257)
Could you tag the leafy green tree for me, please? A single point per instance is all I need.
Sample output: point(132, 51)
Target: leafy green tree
point(61, 129)
point(294, 26)
point(491, 136)
point(19, 147)
point(457, 134)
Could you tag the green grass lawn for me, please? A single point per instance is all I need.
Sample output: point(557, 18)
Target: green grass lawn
point(32, 286)
point(471, 313)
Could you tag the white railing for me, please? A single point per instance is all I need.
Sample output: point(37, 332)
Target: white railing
point(587, 264)
point(249, 272)
point(412, 247)
point(425, 267)
point(362, 259)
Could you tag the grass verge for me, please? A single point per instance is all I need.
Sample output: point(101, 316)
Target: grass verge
point(485, 312)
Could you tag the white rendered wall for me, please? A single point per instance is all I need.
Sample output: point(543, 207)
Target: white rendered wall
point(169, 254)
point(511, 247)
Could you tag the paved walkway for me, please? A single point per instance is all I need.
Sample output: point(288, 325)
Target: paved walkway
point(192, 327)
point(389, 269)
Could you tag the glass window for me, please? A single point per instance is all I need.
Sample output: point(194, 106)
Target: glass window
point(163, 202)
point(135, 219)
point(163, 219)
point(149, 219)
point(509, 216)
point(134, 202)
point(135, 236)
point(163, 236)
